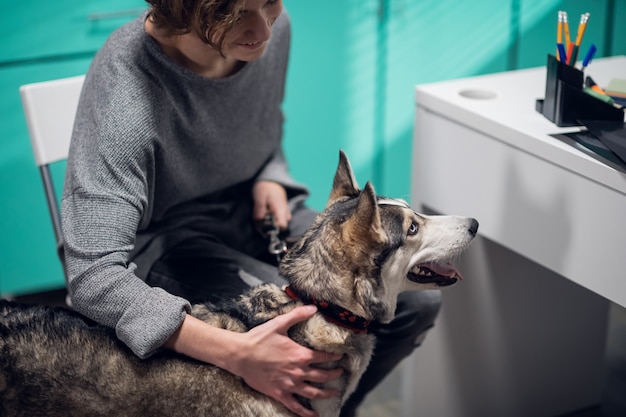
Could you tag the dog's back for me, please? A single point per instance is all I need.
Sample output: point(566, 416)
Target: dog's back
point(45, 351)
point(36, 344)
point(54, 362)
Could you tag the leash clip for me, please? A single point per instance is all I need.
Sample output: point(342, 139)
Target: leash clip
point(277, 246)
point(268, 228)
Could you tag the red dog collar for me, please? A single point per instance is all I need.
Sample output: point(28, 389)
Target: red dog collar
point(333, 313)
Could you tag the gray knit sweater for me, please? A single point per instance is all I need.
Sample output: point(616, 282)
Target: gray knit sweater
point(151, 137)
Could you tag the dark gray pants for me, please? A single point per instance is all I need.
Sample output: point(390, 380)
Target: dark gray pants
point(210, 269)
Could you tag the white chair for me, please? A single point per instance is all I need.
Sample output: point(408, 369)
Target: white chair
point(50, 108)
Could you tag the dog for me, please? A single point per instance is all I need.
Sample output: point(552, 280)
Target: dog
point(360, 253)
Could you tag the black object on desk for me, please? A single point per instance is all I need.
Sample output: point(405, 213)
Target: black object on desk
point(611, 134)
point(566, 104)
point(603, 140)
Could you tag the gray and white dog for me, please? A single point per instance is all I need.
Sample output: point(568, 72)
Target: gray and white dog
point(359, 254)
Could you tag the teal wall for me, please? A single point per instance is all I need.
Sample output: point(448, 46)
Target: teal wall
point(40, 40)
point(353, 69)
point(354, 66)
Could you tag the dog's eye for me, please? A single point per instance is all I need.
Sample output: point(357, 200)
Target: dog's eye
point(412, 229)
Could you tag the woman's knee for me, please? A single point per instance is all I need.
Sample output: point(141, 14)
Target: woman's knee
point(424, 304)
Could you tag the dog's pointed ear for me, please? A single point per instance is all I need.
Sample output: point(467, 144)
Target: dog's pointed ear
point(364, 225)
point(344, 184)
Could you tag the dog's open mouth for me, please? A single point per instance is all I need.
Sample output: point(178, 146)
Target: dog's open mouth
point(441, 274)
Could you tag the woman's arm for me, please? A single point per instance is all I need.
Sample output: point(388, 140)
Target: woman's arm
point(265, 357)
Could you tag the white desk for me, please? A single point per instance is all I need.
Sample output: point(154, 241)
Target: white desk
point(524, 334)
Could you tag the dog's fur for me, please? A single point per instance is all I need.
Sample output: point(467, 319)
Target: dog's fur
point(360, 253)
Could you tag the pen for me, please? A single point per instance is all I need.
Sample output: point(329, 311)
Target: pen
point(570, 54)
point(562, 53)
point(595, 90)
point(599, 96)
point(590, 53)
point(573, 54)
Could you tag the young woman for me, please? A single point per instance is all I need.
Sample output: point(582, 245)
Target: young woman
point(176, 152)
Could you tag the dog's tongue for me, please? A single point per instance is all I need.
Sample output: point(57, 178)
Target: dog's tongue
point(446, 270)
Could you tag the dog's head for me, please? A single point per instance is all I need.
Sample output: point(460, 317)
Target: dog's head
point(363, 249)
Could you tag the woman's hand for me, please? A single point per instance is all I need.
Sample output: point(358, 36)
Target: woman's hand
point(278, 367)
point(265, 357)
point(271, 196)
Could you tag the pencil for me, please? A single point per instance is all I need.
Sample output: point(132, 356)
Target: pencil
point(584, 18)
point(566, 28)
point(582, 26)
point(559, 33)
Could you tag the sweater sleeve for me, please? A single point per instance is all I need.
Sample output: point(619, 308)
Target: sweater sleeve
point(277, 170)
point(104, 200)
point(103, 285)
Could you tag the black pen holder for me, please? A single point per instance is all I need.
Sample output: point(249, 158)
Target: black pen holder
point(566, 104)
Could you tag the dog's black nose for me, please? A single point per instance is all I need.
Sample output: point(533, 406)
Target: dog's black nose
point(473, 228)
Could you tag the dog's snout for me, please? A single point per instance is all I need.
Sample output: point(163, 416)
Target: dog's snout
point(473, 227)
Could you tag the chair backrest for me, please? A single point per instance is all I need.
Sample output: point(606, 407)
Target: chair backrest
point(50, 107)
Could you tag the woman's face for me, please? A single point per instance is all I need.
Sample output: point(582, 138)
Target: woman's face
point(246, 41)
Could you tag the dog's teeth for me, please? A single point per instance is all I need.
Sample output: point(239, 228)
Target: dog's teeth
point(425, 272)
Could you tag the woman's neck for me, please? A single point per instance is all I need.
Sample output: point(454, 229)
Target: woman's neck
point(190, 52)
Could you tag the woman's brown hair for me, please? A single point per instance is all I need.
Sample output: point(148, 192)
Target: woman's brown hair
point(209, 19)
